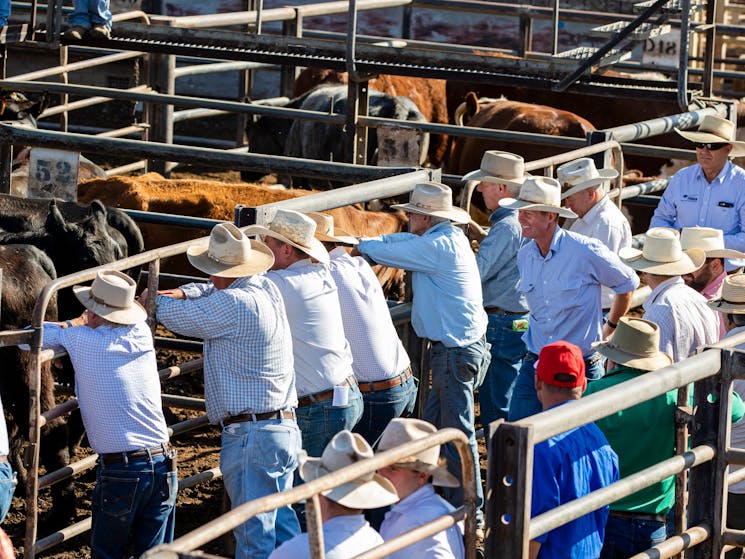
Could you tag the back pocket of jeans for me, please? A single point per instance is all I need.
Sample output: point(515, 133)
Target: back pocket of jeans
point(116, 495)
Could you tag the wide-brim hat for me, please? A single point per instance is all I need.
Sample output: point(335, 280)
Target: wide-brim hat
point(662, 254)
point(582, 174)
point(434, 198)
point(732, 299)
point(295, 229)
point(708, 239)
point(370, 491)
point(635, 343)
point(501, 167)
point(228, 253)
point(403, 430)
point(716, 130)
point(541, 194)
point(112, 297)
point(327, 232)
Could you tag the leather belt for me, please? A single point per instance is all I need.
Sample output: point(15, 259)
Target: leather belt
point(639, 515)
point(325, 394)
point(143, 454)
point(243, 417)
point(497, 310)
point(385, 384)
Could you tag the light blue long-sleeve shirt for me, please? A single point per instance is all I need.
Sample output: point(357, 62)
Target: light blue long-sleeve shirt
point(447, 305)
point(563, 289)
point(497, 261)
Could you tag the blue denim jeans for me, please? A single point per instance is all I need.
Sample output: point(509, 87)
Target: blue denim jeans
point(259, 458)
point(87, 13)
point(383, 405)
point(524, 398)
point(456, 372)
point(7, 488)
point(4, 12)
point(507, 352)
point(134, 499)
point(625, 537)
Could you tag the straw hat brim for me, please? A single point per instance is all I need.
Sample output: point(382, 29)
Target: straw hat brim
point(515, 204)
point(727, 307)
point(605, 175)
point(316, 250)
point(724, 253)
point(440, 476)
point(261, 260)
point(480, 175)
point(341, 236)
point(456, 215)
point(691, 261)
point(131, 315)
point(738, 149)
point(618, 355)
point(356, 494)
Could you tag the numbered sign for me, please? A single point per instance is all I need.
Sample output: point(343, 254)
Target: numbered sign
point(662, 50)
point(53, 173)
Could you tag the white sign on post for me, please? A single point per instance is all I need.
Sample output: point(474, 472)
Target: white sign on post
point(53, 173)
point(662, 51)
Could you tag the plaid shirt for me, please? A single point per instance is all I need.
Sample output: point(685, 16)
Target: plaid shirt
point(248, 365)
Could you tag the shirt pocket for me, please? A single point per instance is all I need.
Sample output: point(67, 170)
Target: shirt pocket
point(725, 218)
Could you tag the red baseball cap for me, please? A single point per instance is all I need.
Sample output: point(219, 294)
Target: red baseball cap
point(561, 359)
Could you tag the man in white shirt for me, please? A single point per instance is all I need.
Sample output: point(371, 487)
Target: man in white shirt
point(414, 480)
point(686, 322)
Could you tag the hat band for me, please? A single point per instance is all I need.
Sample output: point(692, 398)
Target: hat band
point(610, 345)
point(428, 207)
point(222, 260)
point(106, 303)
point(732, 302)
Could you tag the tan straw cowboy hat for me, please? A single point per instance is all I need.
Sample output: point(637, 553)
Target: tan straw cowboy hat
point(228, 253)
point(434, 198)
point(326, 232)
point(635, 343)
point(369, 491)
point(715, 130)
point(662, 254)
point(501, 167)
point(708, 239)
point(404, 430)
point(295, 229)
point(541, 194)
point(732, 299)
point(581, 174)
point(112, 297)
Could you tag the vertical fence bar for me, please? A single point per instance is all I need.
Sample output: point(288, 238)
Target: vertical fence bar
point(683, 413)
point(6, 167)
point(31, 455)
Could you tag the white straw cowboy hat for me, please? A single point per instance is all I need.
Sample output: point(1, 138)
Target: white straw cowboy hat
point(326, 232)
point(295, 229)
point(499, 166)
point(369, 491)
point(716, 130)
point(662, 254)
point(541, 194)
point(635, 343)
point(732, 299)
point(112, 297)
point(228, 253)
point(434, 198)
point(708, 239)
point(404, 430)
point(581, 174)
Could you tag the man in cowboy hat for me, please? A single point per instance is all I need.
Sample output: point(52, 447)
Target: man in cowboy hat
point(414, 479)
point(346, 533)
point(569, 465)
point(118, 391)
point(249, 381)
point(712, 192)
point(685, 322)
point(561, 274)
point(583, 192)
point(328, 396)
point(447, 310)
point(380, 362)
point(501, 174)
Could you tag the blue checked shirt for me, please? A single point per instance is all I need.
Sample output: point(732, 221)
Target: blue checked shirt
point(563, 289)
point(447, 305)
point(248, 364)
point(116, 382)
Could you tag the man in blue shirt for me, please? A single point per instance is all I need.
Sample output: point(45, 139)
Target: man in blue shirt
point(561, 274)
point(447, 310)
point(570, 465)
point(501, 175)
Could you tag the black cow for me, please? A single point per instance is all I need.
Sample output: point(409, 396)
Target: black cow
point(317, 140)
point(15, 106)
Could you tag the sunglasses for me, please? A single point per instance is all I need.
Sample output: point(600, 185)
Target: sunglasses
point(710, 146)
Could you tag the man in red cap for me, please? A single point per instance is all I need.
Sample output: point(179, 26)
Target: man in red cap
point(569, 465)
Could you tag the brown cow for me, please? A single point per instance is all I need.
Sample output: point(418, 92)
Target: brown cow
point(429, 95)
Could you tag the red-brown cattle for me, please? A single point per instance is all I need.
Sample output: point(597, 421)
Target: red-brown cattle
point(429, 95)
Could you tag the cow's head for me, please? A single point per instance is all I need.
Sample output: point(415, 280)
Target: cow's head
point(16, 106)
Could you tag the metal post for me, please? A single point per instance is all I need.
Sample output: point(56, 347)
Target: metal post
point(64, 98)
point(685, 20)
point(6, 167)
point(357, 104)
point(288, 73)
point(682, 421)
point(31, 456)
point(710, 52)
point(555, 39)
point(162, 80)
point(525, 43)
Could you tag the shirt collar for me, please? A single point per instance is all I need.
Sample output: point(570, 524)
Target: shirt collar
point(594, 211)
point(500, 213)
point(660, 289)
point(555, 244)
point(439, 227)
point(720, 177)
point(338, 252)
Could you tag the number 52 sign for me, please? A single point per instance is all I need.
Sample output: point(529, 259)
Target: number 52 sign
point(53, 174)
